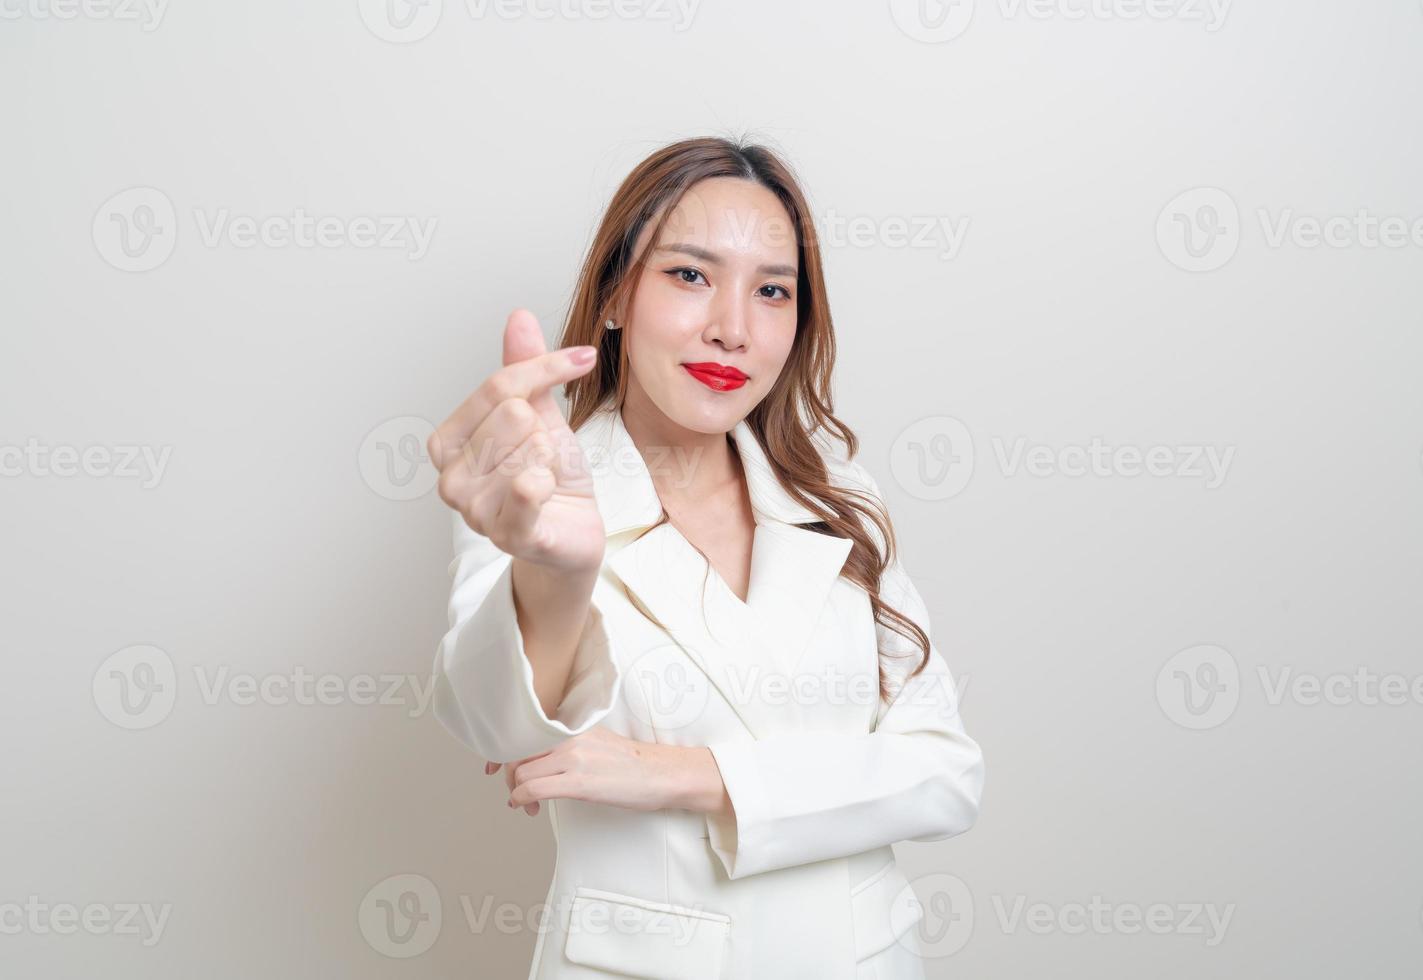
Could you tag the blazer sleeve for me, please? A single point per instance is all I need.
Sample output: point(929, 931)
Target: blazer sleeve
point(916, 775)
point(483, 681)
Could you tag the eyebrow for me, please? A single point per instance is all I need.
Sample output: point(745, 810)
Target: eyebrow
point(698, 252)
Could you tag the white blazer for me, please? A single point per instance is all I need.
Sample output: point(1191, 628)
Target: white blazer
point(783, 688)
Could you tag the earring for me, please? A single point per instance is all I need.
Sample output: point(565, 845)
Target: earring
point(611, 325)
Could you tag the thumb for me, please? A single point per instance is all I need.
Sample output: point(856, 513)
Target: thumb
point(523, 337)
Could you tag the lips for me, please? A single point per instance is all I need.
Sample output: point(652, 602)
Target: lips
point(718, 377)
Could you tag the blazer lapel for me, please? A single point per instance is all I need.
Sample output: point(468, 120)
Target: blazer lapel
point(749, 650)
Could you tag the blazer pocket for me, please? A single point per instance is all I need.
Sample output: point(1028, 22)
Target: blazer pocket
point(884, 907)
point(637, 938)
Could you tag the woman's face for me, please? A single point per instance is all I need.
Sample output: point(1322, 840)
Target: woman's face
point(718, 290)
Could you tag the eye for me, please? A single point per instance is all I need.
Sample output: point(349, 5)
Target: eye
point(785, 293)
point(680, 270)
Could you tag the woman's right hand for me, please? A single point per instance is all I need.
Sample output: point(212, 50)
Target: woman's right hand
point(510, 465)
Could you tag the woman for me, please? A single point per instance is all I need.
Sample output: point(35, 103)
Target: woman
point(676, 617)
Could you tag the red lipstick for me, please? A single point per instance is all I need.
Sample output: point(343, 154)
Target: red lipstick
point(718, 377)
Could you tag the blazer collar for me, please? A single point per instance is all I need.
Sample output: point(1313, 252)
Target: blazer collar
point(793, 572)
point(628, 498)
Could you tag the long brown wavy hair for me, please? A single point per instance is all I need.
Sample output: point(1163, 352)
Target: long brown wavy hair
point(798, 405)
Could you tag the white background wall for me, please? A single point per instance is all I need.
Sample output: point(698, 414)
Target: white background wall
point(268, 542)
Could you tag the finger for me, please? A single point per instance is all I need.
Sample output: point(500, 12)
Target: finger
point(523, 337)
point(531, 809)
point(524, 340)
point(504, 504)
point(523, 379)
point(563, 786)
point(515, 528)
point(490, 458)
point(547, 765)
point(490, 768)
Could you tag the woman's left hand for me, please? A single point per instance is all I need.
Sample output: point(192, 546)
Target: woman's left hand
point(600, 766)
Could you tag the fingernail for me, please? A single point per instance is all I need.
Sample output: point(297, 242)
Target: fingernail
point(582, 355)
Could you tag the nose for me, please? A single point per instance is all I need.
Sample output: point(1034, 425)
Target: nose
point(728, 326)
